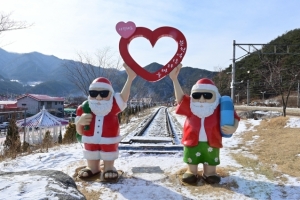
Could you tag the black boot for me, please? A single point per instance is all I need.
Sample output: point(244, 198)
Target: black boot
point(212, 179)
point(190, 178)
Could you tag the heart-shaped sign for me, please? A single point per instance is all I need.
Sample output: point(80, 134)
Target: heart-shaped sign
point(153, 36)
point(125, 30)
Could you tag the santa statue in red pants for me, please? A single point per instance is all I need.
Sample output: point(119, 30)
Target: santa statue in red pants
point(97, 122)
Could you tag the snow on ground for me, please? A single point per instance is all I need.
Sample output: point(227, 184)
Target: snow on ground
point(268, 113)
point(293, 122)
point(152, 176)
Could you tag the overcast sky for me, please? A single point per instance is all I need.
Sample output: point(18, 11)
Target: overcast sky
point(64, 28)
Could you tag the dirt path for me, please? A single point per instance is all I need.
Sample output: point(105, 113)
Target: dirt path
point(289, 111)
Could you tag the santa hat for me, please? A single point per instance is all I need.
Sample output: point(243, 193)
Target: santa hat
point(205, 84)
point(101, 82)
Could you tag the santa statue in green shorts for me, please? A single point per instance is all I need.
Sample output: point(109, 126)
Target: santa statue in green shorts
point(202, 137)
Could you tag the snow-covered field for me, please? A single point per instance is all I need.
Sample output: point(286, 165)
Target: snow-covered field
point(152, 176)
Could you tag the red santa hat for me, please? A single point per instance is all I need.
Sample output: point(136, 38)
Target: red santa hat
point(101, 82)
point(205, 84)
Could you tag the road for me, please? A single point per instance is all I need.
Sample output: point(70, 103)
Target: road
point(289, 111)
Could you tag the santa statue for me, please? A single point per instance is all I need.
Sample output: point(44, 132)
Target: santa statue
point(202, 137)
point(97, 122)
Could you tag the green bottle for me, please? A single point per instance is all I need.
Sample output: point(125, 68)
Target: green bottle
point(86, 109)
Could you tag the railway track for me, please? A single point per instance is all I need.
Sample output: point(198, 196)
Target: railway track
point(156, 134)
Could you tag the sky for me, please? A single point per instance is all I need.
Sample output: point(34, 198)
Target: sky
point(141, 181)
point(66, 28)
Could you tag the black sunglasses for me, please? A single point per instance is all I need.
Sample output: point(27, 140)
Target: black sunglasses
point(102, 93)
point(206, 95)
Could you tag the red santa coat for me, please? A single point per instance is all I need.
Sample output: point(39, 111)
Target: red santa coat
point(193, 124)
point(108, 129)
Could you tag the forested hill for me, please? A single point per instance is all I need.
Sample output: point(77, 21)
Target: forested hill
point(276, 62)
point(163, 90)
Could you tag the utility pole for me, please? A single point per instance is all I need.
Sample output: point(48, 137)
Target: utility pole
point(238, 98)
point(233, 73)
point(25, 115)
point(263, 93)
point(248, 93)
point(278, 49)
point(298, 96)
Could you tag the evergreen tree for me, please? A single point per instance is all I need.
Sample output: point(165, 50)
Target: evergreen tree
point(119, 117)
point(60, 137)
point(47, 141)
point(129, 111)
point(25, 146)
point(123, 115)
point(12, 143)
point(70, 135)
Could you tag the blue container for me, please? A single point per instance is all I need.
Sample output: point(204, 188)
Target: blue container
point(227, 113)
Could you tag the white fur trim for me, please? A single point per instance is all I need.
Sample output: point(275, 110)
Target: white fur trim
point(102, 140)
point(91, 155)
point(122, 104)
point(110, 140)
point(109, 155)
point(101, 85)
point(205, 87)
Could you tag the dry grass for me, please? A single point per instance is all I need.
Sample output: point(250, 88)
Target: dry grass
point(256, 166)
point(277, 149)
point(31, 149)
point(89, 194)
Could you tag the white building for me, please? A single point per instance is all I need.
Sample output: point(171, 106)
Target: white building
point(35, 102)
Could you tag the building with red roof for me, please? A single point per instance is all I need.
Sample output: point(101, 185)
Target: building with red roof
point(34, 103)
point(9, 109)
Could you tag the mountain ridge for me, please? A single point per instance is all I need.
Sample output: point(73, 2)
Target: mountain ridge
point(50, 71)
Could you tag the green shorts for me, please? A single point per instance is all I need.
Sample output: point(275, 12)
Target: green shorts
point(202, 153)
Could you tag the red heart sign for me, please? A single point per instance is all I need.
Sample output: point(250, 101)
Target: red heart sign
point(153, 36)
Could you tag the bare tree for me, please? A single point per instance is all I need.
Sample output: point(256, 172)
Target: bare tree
point(222, 81)
point(8, 24)
point(86, 69)
point(279, 76)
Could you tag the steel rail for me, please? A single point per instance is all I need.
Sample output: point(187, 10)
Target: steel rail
point(150, 145)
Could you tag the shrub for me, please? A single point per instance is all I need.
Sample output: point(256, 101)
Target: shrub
point(47, 141)
point(60, 138)
point(25, 146)
point(12, 143)
point(70, 135)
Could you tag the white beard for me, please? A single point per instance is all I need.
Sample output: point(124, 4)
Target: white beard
point(101, 107)
point(203, 110)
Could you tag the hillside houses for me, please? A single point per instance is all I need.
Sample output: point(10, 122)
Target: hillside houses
point(9, 109)
point(141, 102)
point(35, 102)
point(30, 104)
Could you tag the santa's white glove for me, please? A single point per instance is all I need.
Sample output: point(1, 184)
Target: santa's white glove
point(84, 119)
